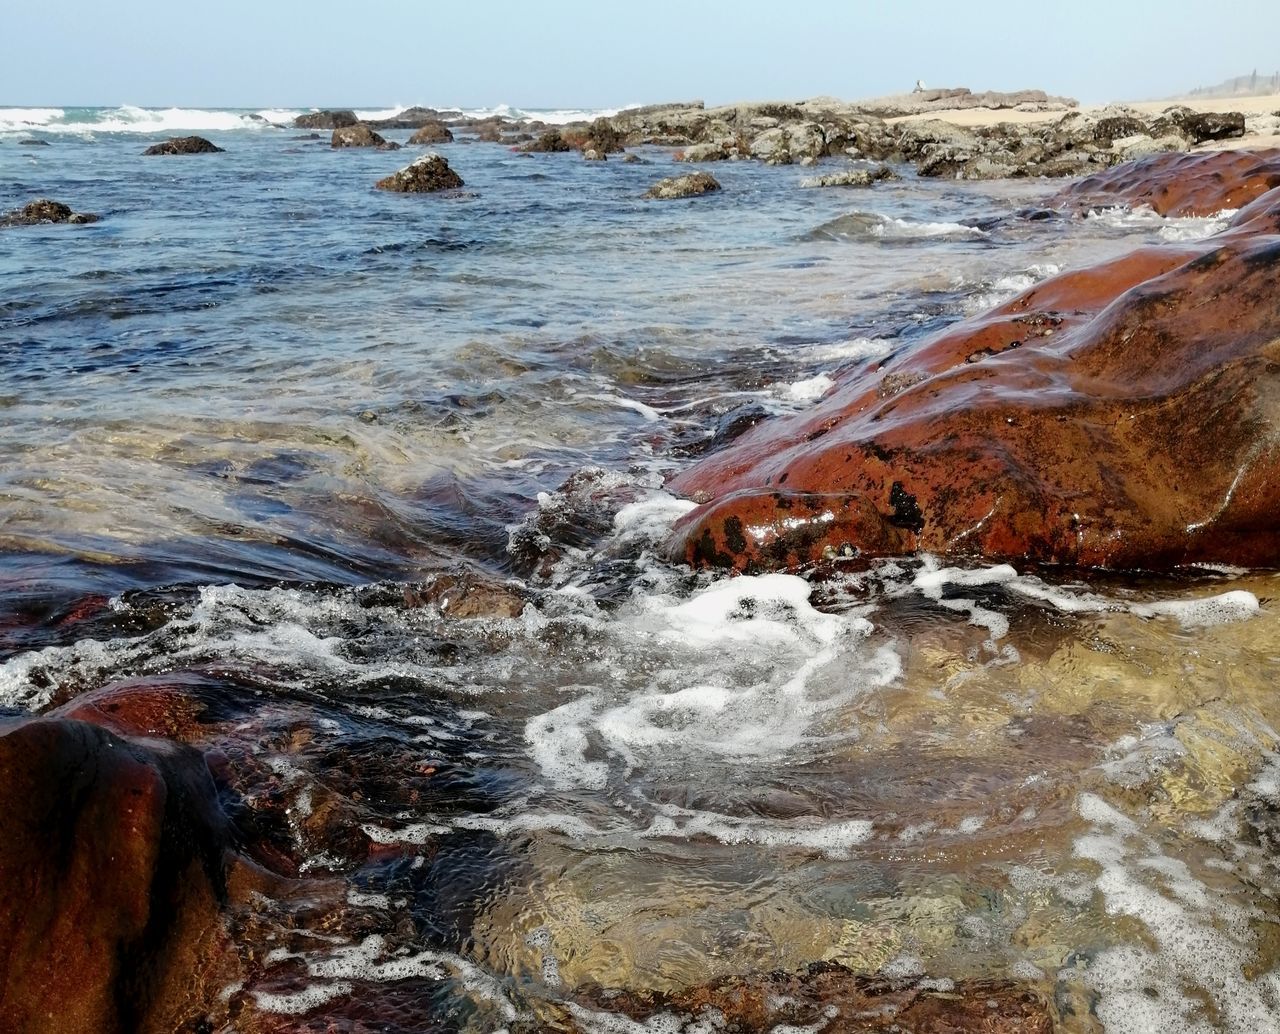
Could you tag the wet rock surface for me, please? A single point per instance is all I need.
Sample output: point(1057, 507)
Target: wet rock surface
point(852, 177)
point(360, 135)
point(829, 997)
point(325, 120)
point(693, 185)
point(426, 175)
point(184, 145)
point(1067, 426)
point(45, 210)
point(432, 133)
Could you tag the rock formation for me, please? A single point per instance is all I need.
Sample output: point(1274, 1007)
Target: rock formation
point(1125, 415)
point(325, 120)
point(691, 185)
point(184, 145)
point(360, 135)
point(432, 133)
point(425, 175)
point(44, 210)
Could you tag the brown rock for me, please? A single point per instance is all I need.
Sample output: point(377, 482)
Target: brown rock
point(692, 185)
point(466, 595)
point(360, 135)
point(325, 120)
point(45, 210)
point(1120, 416)
point(1178, 184)
point(829, 997)
point(549, 142)
point(432, 133)
point(184, 145)
point(112, 861)
point(426, 175)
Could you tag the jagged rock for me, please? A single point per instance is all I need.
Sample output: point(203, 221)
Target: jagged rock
point(360, 135)
point(432, 133)
point(184, 145)
point(44, 210)
point(1067, 426)
point(852, 177)
point(326, 120)
point(425, 175)
point(693, 184)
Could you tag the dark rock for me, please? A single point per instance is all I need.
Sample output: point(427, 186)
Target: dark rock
point(852, 177)
point(410, 118)
point(549, 142)
point(114, 864)
point(33, 143)
point(184, 145)
point(692, 185)
point(1067, 426)
point(325, 120)
point(360, 135)
point(426, 175)
point(44, 210)
point(432, 133)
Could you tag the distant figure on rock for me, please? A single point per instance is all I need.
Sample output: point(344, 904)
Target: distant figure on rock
point(919, 86)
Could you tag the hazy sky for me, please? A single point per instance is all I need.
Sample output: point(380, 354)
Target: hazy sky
point(291, 53)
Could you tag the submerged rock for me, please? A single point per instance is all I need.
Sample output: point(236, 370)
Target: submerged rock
point(691, 185)
point(114, 874)
point(360, 136)
point(44, 210)
point(549, 142)
point(432, 133)
point(325, 120)
point(33, 143)
point(425, 175)
point(1068, 426)
point(826, 997)
point(184, 145)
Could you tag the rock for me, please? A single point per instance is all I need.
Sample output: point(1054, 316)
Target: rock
point(1067, 426)
point(33, 143)
point(772, 147)
point(184, 145)
point(962, 98)
point(825, 996)
point(1132, 148)
point(548, 142)
point(45, 210)
point(360, 135)
point(410, 118)
point(1178, 184)
point(325, 120)
point(852, 177)
point(712, 152)
point(691, 185)
point(1199, 127)
point(114, 868)
point(466, 595)
point(432, 133)
point(425, 175)
point(592, 155)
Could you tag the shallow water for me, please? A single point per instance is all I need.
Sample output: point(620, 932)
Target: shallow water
point(254, 403)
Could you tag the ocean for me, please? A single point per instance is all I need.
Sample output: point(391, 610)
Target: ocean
point(253, 416)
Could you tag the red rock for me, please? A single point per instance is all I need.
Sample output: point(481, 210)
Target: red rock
point(112, 864)
point(1178, 184)
point(1120, 416)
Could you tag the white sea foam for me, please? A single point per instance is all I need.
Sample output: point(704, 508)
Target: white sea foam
point(892, 228)
point(1170, 228)
point(125, 119)
point(810, 389)
point(833, 839)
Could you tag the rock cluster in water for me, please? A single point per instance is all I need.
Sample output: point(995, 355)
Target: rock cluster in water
point(692, 185)
point(426, 175)
point(1122, 416)
point(184, 145)
point(45, 210)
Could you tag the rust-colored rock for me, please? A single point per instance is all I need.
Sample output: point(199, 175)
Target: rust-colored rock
point(1178, 184)
point(829, 997)
point(1121, 416)
point(112, 863)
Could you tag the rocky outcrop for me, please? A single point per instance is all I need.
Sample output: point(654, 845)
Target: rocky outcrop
point(960, 98)
point(549, 142)
point(1068, 426)
point(325, 120)
point(1177, 184)
point(826, 996)
point(432, 133)
point(184, 145)
point(114, 868)
point(410, 118)
point(692, 185)
point(852, 177)
point(360, 135)
point(426, 175)
point(44, 210)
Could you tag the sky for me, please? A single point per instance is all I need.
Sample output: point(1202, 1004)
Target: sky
point(549, 54)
